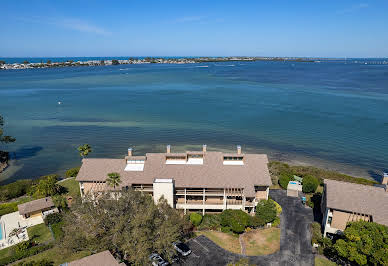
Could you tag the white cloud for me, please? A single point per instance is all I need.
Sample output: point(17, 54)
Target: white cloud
point(68, 23)
point(353, 8)
point(189, 19)
point(82, 26)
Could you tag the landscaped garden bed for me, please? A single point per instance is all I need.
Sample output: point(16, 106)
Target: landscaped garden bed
point(241, 233)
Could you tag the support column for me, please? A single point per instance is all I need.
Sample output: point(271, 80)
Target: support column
point(224, 199)
point(185, 202)
point(203, 202)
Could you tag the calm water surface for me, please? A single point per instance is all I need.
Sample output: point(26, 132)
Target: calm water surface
point(329, 114)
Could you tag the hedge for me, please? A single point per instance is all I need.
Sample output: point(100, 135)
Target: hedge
point(310, 184)
point(284, 179)
point(236, 220)
point(73, 172)
point(15, 189)
point(24, 254)
point(195, 218)
point(210, 222)
point(277, 169)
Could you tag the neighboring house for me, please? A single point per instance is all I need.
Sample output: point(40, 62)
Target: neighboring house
point(37, 208)
point(192, 181)
point(344, 202)
point(100, 259)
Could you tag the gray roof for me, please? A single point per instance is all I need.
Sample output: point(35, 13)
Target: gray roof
point(35, 205)
point(104, 258)
point(371, 200)
point(211, 174)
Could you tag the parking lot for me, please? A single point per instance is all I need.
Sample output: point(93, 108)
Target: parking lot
point(295, 240)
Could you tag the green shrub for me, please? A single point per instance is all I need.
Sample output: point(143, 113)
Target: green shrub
point(256, 221)
point(237, 220)
point(284, 179)
point(42, 262)
point(310, 184)
point(210, 222)
point(57, 230)
point(6, 208)
point(316, 234)
point(15, 189)
point(278, 207)
point(276, 222)
point(226, 229)
point(276, 168)
point(53, 218)
point(73, 172)
point(266, 210)
point(195, 218)
point(24, 254)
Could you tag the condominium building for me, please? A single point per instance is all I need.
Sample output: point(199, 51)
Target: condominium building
point(205, 181)
point(344, 202)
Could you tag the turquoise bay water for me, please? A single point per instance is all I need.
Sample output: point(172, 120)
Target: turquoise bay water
point(330, 114)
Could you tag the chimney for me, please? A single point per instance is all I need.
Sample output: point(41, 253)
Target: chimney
point(384, 181)
point(129, 151)
point(238, 149)
point(204, 146)
point(168, 148)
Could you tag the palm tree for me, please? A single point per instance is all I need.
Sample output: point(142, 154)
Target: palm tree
point(84, 150)
point(113, 179)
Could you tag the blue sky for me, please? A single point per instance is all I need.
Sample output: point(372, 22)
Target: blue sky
point(324, 28)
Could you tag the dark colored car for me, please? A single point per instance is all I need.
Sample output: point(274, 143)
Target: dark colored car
point(182, 249)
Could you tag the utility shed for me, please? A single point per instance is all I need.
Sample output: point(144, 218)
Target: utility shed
point(293, 188)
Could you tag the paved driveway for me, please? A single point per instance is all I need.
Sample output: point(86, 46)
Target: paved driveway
point(295, 239)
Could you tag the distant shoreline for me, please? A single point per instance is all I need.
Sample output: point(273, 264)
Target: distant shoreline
point(148, 60)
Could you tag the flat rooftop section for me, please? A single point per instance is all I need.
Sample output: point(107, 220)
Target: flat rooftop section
point(371, 200)
point(35, 205)
point(104, 258)
point(158, 180)
point(212, 173)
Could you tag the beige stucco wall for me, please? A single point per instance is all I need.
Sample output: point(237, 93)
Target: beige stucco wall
point(262, 193)
point(165, 189)
point(35, 214)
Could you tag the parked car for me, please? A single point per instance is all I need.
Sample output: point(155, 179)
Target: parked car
point(182, 249)
point(157, 260)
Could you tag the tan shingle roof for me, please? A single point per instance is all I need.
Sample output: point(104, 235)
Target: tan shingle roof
point(100, 259)
point(357, 198)
point(35, 205)
point(211, 174)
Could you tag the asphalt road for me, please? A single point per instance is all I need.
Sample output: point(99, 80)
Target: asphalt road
point(295, 239)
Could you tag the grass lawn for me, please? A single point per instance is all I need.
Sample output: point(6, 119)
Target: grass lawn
point(72, 186)
point(227, 241)
point(322, 261)
point(5, 252)
point(57, 256)
point(262, 241)
point(39, 233)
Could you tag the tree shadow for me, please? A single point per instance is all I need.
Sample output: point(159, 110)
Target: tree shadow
point(25, 152)
point(377, 176)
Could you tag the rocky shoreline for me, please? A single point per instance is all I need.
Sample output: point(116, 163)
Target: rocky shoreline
point(4, 156)
point(147, 60)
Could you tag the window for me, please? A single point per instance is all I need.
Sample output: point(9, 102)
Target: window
point(233, 158)
point(329, 219)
